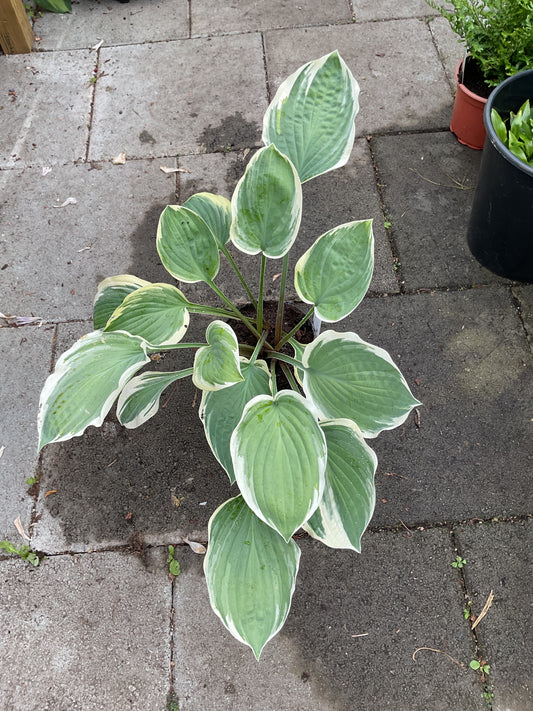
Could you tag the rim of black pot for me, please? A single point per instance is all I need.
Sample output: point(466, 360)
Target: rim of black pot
point(504, 98)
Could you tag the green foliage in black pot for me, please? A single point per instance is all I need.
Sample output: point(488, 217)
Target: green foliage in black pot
point(519, 136)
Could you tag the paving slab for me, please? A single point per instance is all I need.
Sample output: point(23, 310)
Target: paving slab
point(403, 84)
point(451, 49)
point(111, 229)
point(466, 357)
point(345, 624)
point(25, 353)
point(498, 558)
point(67, 640)
point(92, 21)
point(247, 15)
point(428, 187)
point(45, 108)
point(365, 10)
point(524, 294)
point(197, 92)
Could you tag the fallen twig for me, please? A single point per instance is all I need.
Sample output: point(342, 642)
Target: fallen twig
point(484, 610)
point(438, 651)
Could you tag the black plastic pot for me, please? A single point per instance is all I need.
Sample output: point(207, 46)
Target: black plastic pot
point(500, 232)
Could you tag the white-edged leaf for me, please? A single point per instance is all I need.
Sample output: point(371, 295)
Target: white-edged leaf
point(346, 377)
point(335, 272)
point(186, 245)
point(250, 573)
point(221, 410)
point(215, 210)
point(217, 365)
point(279, 459)
point(85, 383)
point(311, 118)
point(139, 399)
point(266, 206)
point(111, 293)
point(156, 312)
point(349, 495)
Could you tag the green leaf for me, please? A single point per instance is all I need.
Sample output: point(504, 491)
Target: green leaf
point(111, 293)
point(156, 312)
point(279, 458)
point(499, 126)
point(86, 381)
point(266, 206)
point(186, 245)
point(9, 547)
point(349, 495)
point(346, 377)
point(298, 349)
point(250, 573)
point(215, 210)
point(335, 273)
point(311, 118)
point(217, 365)
point(474, 664)
point(173, 565)
point(221, 410)
point(55, 5)
point(139, 399)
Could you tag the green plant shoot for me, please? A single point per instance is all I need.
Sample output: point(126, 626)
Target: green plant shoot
point(296, 453)
point(518, 138)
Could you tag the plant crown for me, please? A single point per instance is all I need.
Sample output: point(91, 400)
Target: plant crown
point(518, 138)
point(297, 455)
point(497, 33)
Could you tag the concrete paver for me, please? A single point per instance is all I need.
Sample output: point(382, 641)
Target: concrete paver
point(163, 112)
point(450, 48)
point(403, 85)
point(93, 20)
point(67, 640)
point(524, 294)
point(365, 10)
point(498, 558)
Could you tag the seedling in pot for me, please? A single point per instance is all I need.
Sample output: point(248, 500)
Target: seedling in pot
point(297, 453)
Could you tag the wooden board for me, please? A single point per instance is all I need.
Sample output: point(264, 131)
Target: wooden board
point(16, 34)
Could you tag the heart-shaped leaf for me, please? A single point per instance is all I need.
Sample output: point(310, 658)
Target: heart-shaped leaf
point(111, 293)
point(186, 245)
point(335, 273)
point(215, 210)
point(139, 399)
point(346, 377)
point(221, 410)
point(267, 205)
point(250, 573)
point(85, 383)
point(217, 365)
point(349, 495)
point(157, 312)
point(279, 458)
point(311, 118)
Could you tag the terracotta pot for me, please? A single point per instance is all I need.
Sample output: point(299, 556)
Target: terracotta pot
point(467, 116)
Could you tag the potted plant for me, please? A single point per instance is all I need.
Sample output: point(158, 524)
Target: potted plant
point(498, 37)
point(297, 453)
point(500, 231)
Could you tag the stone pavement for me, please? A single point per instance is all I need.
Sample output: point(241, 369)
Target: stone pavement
point(98, 625)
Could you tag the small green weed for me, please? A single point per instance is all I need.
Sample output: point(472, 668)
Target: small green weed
point(173, 565)
point(387, 225)
point(459, 562)
point(23, 552)
point(173, 703)
point(481, 666)
point(32, 480)
point(488, 696)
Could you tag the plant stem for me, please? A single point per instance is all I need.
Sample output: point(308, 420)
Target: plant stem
point(235, 310)
point(285, 358)
point(281, 302)
point(210, 311)
point(257, 349)
point(261, 286)
point(290, 377)
point(274, 385)
point(174, 347)
point(237, 271)
point(289, 335)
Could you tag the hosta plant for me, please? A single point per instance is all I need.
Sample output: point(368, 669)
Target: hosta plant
point(297, 454)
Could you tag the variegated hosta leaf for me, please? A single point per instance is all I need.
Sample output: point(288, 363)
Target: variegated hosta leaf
point(311, 118)
point(266, 206)
point(217, 365)
point(279, 458)
point(139, 400)
point(215, 210)
point(221, 410)
point(250, 573)
point(85, 383)
point(298, 353)
point(111, 293)
point(349, 495)
point(346, 377)
point(335, 273)
point(157, 312)
point(186, 245)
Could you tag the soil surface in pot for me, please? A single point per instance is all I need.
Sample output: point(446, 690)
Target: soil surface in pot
point(473, 79)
